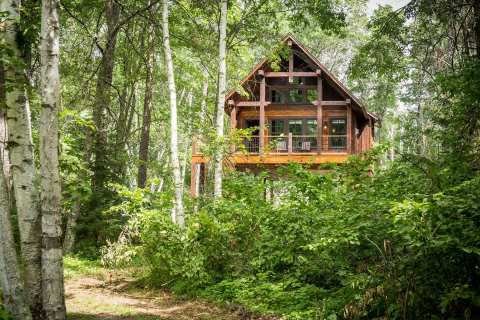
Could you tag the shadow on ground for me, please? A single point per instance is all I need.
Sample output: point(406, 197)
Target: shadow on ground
point(80, 316)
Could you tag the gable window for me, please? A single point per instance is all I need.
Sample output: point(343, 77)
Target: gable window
point(311, 95)
point(277, 96)
point(295, 96)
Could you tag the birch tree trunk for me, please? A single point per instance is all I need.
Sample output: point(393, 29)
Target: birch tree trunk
point(4, 130)
point(222, 75)
point(203, 114)
point(102, 98)
point(179, 212)
point(146, 121)
point(50, 193)
point(23, 164)
point(10, 277)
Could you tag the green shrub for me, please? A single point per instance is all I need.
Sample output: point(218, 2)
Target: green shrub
point(343, 245)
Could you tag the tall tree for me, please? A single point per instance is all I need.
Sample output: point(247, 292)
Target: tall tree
point(50, 194)
point(20, 147)
point(102, 96)
point(222, 82)
point(174, 157)
point(10, 278)
point(147, 111)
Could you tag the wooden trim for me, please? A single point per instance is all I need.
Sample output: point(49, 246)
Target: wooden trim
point(319, 113)
point(349, 127)
point(266, 103)
point(290, 143)
point(251, 103)
point(262, 115)
point(290, 67)
point(287, 158)
point(193, 181)
point(273, 74)
point(233, 124)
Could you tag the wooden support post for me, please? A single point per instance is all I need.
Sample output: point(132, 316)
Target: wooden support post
point(371, 128)
point(319, 112)
point(290, 62)
point(194, 145)
point(193, 180)
point(290, 67)
point(233, 124)
point(349, 126)
point(290, 143)
point(262, 114)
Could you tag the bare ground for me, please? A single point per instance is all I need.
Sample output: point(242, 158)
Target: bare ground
point(91, 298)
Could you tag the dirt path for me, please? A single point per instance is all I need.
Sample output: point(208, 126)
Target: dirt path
point(89, 298)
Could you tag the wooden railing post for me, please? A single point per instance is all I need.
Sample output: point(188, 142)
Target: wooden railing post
point(262, 112)
point(319, 111)
point(290, 143)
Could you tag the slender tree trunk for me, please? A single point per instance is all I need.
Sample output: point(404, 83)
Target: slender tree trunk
point(72, 219)
point(222, 79)
point(20, 147)
point(186, 144)
point(102, 98)
point(179, 213)
point(146, 121)
point(10, 278)
point(203, 113)
point(70, 228)
point(50, 193)
point(3, 129)
point(476, 14)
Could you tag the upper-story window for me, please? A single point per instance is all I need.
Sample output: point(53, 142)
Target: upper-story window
point(292, 96)
point(295, 96)
point(278, 96)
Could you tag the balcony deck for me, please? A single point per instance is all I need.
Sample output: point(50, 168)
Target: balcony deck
point(280, 150)
point(279, 158)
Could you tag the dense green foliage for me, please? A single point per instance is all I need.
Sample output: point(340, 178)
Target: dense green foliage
point(348, 244)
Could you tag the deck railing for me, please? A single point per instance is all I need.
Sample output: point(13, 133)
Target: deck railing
point(296, 144)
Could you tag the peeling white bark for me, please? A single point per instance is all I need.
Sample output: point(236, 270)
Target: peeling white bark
point(222, 78)
point(203, 116)
point(10, 278)
point(178, 216)
point(52, 253)
point(20, 148)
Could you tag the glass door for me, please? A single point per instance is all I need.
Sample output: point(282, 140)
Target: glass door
point(337, 133)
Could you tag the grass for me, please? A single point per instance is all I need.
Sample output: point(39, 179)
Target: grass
point(75, 267)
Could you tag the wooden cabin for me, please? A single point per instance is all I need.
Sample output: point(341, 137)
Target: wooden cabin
point(299, 113)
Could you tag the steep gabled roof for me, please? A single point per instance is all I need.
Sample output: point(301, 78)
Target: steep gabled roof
point(325, 73)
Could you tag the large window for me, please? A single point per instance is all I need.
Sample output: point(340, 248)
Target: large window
point(295, 127)
point(337, 131)
point(277, 127)
point(311, 129)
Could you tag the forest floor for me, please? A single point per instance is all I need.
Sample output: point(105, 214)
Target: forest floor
point(93, 293)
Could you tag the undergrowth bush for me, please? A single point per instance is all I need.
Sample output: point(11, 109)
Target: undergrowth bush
point(359, 242)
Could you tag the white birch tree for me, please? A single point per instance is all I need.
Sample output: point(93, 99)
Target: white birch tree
point(178, 216)
point(222, 79)
point(10, 277)
point(22, 161)
point(50, 193)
